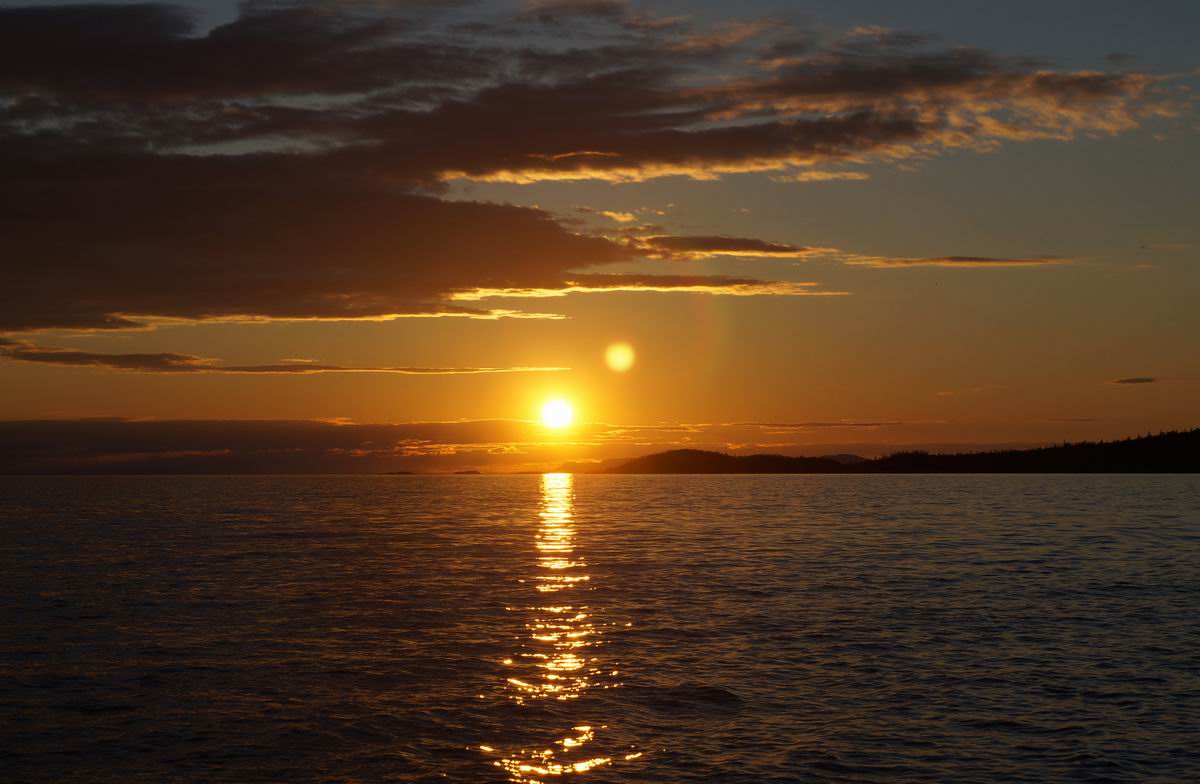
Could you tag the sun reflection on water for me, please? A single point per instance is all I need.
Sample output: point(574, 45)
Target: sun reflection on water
point(557, 658)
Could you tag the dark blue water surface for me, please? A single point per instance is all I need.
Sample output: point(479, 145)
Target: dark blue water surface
point(600, 629)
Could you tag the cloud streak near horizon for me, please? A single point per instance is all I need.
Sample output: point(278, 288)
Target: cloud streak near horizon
point(960, 262)
point(265, 446)
point(167, 362)
point(119, 445)
point(294, 163)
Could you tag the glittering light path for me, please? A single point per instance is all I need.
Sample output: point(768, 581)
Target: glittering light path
point(557, 660)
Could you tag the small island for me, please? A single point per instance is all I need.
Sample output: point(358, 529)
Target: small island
point(1171, 452)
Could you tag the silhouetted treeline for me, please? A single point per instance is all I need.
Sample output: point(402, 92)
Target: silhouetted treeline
point(1173, 452)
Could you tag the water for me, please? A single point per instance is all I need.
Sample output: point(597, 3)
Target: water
point(600, 629)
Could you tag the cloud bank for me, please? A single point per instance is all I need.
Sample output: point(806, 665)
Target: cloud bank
point(292, 164)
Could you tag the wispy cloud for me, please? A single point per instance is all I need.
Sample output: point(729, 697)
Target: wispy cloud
point(685, 247)
point(883, 262)
point(21, 351)
point(700, 284)
point(702, 247)
point(1168, 246)
point(819, 175)
point(850, 424)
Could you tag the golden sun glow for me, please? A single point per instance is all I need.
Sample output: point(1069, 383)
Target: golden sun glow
point(557, 413)
point(620, 357)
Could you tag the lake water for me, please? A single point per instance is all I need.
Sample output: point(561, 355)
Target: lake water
point(600, 629)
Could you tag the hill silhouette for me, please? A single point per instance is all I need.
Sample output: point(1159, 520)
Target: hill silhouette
point(1172, 452)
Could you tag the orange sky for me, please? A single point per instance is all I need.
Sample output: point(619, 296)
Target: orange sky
point(817, 235)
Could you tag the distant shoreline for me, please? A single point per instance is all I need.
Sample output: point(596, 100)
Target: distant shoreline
point(1171, 453)
point(1174, 452)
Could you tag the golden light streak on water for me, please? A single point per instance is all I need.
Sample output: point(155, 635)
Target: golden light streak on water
point(556, 662)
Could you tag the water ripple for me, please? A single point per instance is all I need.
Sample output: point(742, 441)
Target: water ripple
point(605, 629)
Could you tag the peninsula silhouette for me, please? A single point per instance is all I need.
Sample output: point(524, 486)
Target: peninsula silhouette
point(1169, 452)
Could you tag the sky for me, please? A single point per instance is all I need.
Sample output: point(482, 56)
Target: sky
point(375, 235)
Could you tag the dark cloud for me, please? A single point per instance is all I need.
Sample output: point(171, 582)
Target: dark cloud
point(645, 104)
point(871, 37)
point(263, 236)
point(1134, 380)
point(253, 237)
point(292, 368)
point(187, 363)
point(157, 363)
point(551, 10)
point(971, 80)
point(150, 52)
point(287, 165)
point(788, 49)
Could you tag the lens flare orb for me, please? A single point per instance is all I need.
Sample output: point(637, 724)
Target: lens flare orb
point(620, 357)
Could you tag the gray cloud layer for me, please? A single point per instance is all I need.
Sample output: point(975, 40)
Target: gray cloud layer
point(289, 164)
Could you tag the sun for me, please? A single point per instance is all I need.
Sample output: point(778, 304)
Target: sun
point(557, 413)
